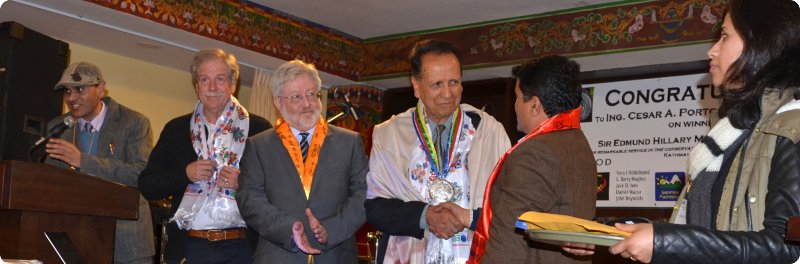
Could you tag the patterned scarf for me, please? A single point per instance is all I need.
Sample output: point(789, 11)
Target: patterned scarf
point(424, 171)
point(307, 168)
point(562, 121)
point(223, 143)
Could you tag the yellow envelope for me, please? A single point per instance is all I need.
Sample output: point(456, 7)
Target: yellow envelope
point(545, 221)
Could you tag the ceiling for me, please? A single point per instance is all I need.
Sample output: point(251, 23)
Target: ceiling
point(102, 28)
point(371, 19)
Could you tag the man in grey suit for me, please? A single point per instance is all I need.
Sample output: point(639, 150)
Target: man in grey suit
point(111, 142)
point(302, 185)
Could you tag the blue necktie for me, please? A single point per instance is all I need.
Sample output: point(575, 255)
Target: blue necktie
point(304, 144)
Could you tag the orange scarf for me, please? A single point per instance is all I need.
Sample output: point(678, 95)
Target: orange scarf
point(305, 170)
point(562, 121)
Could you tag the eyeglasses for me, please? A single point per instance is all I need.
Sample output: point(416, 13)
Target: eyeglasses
point(297, 98)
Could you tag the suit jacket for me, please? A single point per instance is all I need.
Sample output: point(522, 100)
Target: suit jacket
point(124, 145)
point(271, 197)
point(551, 173)
point(165, 174)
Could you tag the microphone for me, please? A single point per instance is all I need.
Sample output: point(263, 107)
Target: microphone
point(350, 106)
point(56, 130)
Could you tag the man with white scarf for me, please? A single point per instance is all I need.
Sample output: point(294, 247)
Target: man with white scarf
point(196, 161)
point(429, 165)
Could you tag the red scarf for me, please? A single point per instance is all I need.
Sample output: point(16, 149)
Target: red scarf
point(561, 121)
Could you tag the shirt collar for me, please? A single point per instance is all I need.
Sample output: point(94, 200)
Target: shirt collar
point(97, 122)
point(297, 132)
point(447, 123)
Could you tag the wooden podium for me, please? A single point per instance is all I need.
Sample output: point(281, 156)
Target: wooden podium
point(37, 198)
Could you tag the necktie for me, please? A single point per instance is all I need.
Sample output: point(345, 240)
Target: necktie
point(87, 127)
point(439, 146)
point(304, 144)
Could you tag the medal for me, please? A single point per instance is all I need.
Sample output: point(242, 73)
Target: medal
point(441, 191)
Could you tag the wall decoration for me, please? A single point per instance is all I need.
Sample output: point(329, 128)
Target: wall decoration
point(591, 30)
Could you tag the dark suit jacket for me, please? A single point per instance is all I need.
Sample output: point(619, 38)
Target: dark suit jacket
point(165, 174)
point(551, 173)
point(271, 197)
point(130, 135)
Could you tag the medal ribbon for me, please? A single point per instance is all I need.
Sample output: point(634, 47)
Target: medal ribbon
point(425, 137)
point(562, 121)
point(305, 170)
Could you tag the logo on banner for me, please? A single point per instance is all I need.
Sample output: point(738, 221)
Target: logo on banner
point(602, 186)
point(587, 100)
point(669, 185)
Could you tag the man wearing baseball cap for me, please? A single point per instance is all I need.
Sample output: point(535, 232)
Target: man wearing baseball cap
point(110, 141)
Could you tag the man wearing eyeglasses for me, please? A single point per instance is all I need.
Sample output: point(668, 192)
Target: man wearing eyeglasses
point(110, 141)
point(196, 161)
point(302, 183)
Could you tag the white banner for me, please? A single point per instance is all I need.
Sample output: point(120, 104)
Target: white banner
point(641, 132)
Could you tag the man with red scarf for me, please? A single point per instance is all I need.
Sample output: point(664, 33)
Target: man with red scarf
point(550, 170)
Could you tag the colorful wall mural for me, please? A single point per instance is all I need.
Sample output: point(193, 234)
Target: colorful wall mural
point(609, 28)
point(596, 31)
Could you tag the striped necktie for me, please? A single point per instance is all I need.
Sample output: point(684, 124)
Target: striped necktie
point(304, 144)
point(87, 127)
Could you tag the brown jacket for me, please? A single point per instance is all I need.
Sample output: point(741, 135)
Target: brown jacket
point(551, 173)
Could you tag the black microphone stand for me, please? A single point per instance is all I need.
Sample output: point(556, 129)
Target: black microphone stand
point(347, 109)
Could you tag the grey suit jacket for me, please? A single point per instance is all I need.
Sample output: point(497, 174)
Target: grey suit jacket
point(552, 173)
point(125, 142)
point(271, 197)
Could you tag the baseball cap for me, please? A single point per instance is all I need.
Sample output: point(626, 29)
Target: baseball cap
point(80, 74)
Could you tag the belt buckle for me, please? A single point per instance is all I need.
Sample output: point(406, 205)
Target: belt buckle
point(210, 237)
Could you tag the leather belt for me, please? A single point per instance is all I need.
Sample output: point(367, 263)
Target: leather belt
point(218, 235)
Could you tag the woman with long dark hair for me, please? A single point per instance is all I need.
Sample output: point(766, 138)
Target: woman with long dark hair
point(745, 174)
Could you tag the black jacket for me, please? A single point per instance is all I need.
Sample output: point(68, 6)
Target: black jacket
point(694, 244)
point(165, 174)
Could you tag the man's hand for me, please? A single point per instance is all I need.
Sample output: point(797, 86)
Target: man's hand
point(200, 170)
point(442, 222)
point(301, 240)
point(228, 178)
point(578, 249)
point(316, 226)
point(64, 151)
point(463, 214)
